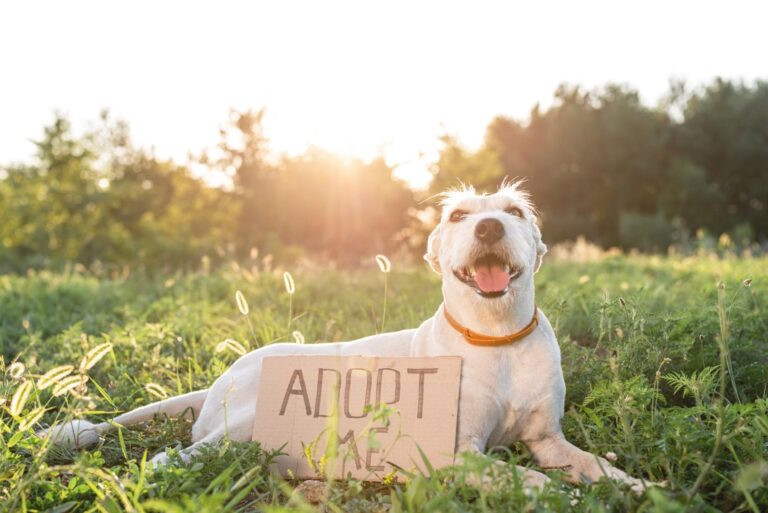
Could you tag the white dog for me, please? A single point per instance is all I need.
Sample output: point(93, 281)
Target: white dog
point(487, 249)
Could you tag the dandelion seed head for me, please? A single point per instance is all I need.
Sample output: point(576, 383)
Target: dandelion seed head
point(16, 370)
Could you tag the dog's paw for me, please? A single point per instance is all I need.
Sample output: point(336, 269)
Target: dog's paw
point(533, 479)
point(160, 459)
point(73, 435)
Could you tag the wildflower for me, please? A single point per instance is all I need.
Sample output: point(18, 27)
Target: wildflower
point(747, 282)
point(298, 337)
point(290, 286)
point(242, 304)
point(584, 279)
point(611, 456)
point(232, 345)
point(384, 264)
point(389, 478)
point(25, 324)
point(54, 375)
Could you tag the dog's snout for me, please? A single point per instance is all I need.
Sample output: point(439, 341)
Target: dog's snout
point(489, 230)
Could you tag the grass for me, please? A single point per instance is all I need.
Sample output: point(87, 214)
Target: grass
point(664, 369)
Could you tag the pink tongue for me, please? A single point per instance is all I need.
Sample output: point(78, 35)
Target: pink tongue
point(491, 278)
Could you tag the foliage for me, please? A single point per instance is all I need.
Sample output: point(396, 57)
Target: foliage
point(96, 198)
point(599, 164)
point(602, 165)
point(641, 339)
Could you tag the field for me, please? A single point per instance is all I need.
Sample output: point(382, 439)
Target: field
point(665, 359)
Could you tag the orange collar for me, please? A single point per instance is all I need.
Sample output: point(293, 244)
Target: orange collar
point(477, 339)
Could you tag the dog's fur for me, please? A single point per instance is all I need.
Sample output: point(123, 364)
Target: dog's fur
point(508, 393)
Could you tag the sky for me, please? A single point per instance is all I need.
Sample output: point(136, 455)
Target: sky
point(358, 78)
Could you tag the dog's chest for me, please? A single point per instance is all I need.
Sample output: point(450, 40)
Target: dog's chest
point(529, 392)
point(526, 376)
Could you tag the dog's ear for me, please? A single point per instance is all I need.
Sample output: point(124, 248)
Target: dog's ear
point(541, 248)
point(433, 250)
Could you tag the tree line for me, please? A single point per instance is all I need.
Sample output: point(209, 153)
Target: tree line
point(599, 164)
point(603, 165)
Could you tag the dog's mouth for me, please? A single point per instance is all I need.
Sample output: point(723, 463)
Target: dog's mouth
point(490, 275)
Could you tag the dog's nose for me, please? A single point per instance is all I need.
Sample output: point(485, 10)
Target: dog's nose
point(489, 230)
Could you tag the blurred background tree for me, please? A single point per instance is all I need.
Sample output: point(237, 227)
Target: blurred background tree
point(599, 164)
point(602, 165)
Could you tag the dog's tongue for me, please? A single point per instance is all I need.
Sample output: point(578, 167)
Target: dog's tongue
point(491, 278)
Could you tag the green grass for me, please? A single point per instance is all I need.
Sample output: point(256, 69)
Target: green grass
point(642, 339)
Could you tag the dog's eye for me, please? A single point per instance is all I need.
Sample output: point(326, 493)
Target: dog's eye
point(514, 211)
point(457, 215)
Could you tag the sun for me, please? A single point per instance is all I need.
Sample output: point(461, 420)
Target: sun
point(349, 130)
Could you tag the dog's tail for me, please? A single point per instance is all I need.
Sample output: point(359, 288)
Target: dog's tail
point(81, 433)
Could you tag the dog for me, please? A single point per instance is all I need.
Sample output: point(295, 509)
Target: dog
point(487, 249)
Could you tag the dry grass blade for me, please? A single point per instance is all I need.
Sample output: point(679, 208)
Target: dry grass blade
point(31, 419)
point(156, 390)
point(20, 398)
point(54, 375)
point(232, 345)
point(93, 356)
point(242, 304)
point(69, 385)
point(384, 264)
point(290, 285)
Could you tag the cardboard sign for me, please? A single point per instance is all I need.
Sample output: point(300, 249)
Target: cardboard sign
point(357, 416)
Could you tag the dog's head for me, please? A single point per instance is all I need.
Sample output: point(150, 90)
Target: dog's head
point(486, 245)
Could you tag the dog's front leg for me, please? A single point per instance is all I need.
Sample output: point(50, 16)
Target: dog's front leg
point(476, 421)
point(556, 453)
